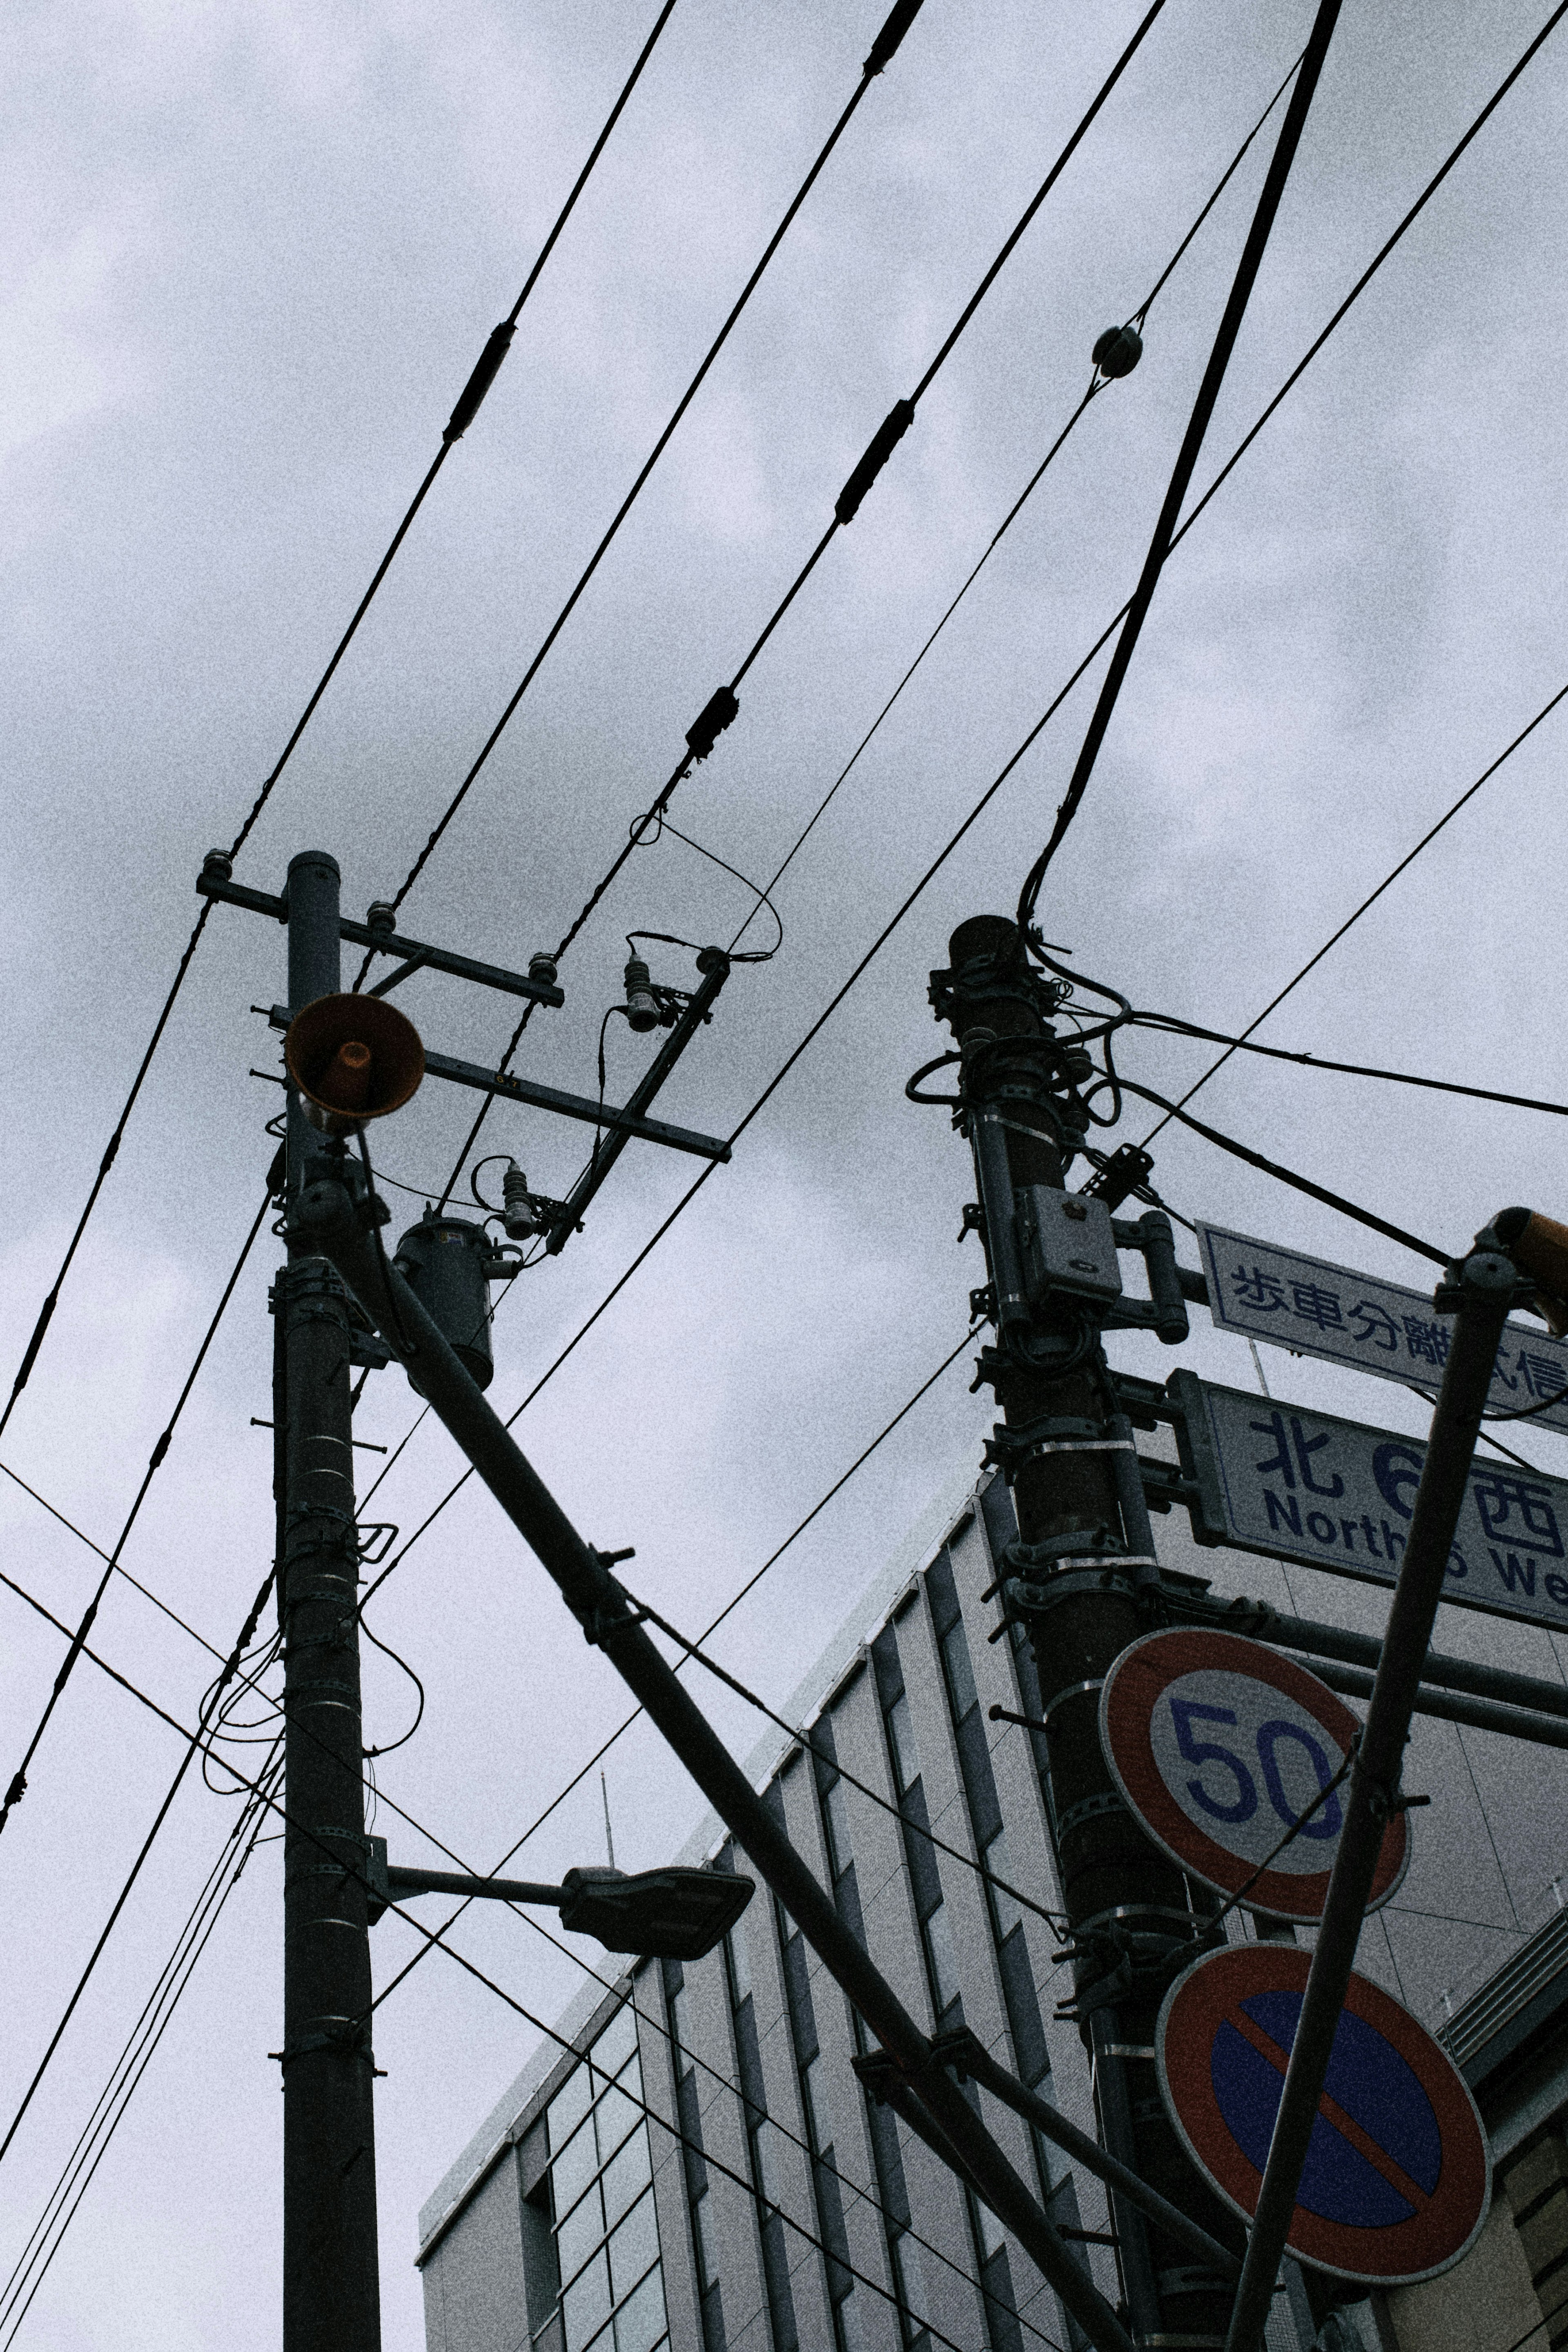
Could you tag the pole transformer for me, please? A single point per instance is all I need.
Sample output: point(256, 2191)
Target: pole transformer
point(331, 2283)
point(1081, 1577)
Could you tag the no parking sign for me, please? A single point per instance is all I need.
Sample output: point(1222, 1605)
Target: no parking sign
point(1396, 2182)
point(1219, 1745)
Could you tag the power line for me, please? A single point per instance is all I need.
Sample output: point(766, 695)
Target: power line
point(730, 1606)
point(462, 417)
point(1370, 900)
point(1287, 1176)
point(722, 707)
point(1160, 546)
point(1054, 705)
point(17, 1788)
point(193, 1740)
point(1098, 383)
point(1172, 1024)
point(256, 1789)
point(882, 52)
point(767, 2114)
point(64, 2200)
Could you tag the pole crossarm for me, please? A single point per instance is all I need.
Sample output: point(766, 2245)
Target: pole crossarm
point(327, 1218)
point(625, 1122)
point(213, 882)
point(714, 966)
point(1482, 1293)
point(965, 2053)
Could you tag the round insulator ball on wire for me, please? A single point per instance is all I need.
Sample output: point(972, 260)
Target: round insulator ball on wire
point(1118, 350)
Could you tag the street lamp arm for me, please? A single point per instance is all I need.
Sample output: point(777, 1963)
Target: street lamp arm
point(400, 1883)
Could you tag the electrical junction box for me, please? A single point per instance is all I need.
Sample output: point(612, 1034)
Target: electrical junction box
point(1066, 1243)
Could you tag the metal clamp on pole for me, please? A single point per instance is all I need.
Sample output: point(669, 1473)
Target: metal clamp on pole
point(1482, 1293)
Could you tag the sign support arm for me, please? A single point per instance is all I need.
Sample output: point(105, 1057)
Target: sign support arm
point(1486, 1289)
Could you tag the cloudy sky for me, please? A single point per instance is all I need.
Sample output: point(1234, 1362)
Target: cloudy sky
point(254, 255)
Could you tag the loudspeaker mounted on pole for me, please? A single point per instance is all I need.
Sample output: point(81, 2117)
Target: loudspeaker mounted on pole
point(354, 1058)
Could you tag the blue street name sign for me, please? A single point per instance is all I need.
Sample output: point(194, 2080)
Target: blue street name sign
point(1269, 1477)
point(1316, 1308)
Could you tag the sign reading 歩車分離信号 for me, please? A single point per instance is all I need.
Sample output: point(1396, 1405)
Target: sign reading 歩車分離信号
point(1316, 1308)
point(1269, 1477)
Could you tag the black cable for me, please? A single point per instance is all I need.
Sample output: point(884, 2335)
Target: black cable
point(125, 2076)
point(429, 1937)
point(18, 1785)
point(765, 2114)
point(1287, 1176)
point(889, 433)
point(120, 1569)
point(193, 1741)
point(461, 417)
point(730, 1681)
point(730, 1606)
point(1054, 705)
point(1097, 384)
point(1172, 1024)
point(1160, 546)
point(1371, 899)
point(702, 736)
point(881, 54)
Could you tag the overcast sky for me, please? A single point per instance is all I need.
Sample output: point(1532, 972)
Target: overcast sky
point(254, 253)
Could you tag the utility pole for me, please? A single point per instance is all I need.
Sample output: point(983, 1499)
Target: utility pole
point(1083, 1565)
point(331, 2281)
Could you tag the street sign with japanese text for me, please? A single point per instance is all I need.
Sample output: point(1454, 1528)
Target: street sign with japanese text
point(1316, 1308)
point(1397, 2181)
point(1223, 1748)
point(1269, 1477)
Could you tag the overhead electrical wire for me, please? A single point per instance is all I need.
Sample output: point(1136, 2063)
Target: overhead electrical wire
point(1172, 1024)
point(1475, 127)
point(1370, 900)
point(64, 2200)
point(277, 1806)
point(722, 707)
point(883, 50)
point(193, 1743)
point(737, 2091)
point(467, 407)
point(1054, 705)
point(1098, 383)
point(1182, 473)
point(18, 1784)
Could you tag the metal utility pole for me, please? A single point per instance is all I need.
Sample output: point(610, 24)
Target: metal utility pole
point(1074, 1580)
point(331, 2281)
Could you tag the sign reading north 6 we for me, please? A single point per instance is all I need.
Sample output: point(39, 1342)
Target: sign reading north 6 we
point(1272, 1478)
point(1316, 1308)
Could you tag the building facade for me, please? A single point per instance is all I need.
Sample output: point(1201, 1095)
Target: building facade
point(702, 2170)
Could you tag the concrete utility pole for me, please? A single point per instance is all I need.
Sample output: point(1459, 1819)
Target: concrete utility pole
point(330, 2286)
point(1084, 1556)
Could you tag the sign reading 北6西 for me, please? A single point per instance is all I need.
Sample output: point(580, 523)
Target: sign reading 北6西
point(1270, 1477)
point(1316, 1308)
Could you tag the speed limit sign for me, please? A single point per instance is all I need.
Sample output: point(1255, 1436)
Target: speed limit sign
point(1226, 1751)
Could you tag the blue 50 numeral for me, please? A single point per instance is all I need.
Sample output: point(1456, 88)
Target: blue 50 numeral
point(1240, 1806)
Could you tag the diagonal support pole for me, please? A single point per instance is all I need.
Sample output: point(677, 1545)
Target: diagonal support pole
point(328, 1219)
point(1486, 1288)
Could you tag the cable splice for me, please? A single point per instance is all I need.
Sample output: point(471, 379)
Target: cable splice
point(487, 367)
point(882, 444)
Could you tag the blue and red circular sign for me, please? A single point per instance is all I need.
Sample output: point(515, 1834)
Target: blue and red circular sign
point(1219, 1745)
point(1397, 2179)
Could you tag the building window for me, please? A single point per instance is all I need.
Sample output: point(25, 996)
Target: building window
point(761, 2138)
point(705, 2251)
point(919, 1854)
point(599, 2189)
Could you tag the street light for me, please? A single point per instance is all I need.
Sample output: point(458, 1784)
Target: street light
point(658, 1915)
